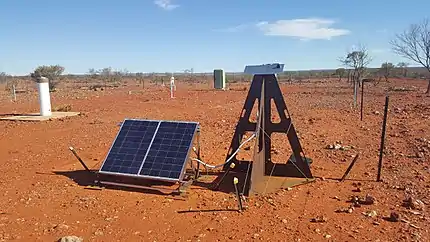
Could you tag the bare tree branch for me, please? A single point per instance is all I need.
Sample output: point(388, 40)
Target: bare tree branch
point(414, 44)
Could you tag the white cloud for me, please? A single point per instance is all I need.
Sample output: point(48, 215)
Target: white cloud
point(166, 4)
point(304, 29)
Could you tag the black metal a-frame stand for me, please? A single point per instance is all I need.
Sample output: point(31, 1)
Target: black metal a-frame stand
point(264, 88)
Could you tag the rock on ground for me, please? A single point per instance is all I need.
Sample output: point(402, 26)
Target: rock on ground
point(71, 238)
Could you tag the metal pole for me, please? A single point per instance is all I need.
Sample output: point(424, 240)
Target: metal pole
point(239, 200)
point(381, 149)
point(362, 100)
point(198, 155)
point(355, 92)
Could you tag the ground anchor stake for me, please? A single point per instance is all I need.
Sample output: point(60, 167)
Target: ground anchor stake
point(349, 168)
point(239, 200)
point(79, 159)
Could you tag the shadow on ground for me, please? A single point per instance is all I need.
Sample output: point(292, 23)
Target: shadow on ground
point(90, 180)
point(12, 114)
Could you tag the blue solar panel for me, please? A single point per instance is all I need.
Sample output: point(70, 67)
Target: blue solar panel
point(169, 150)
point(130, 147)
point(153, 149)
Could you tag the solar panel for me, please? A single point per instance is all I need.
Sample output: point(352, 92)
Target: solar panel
point(151, 149)
point(130, 147)
point(169, 150)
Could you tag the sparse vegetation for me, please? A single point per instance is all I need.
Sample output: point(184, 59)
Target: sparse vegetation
point(3, 77)
point(8, 80)
point(93, 73)
point(386, 70)
point(340, 72)
point(403, 66)
point(108, 76)
point(140, 78)
point(189, 74)
point(63, 108)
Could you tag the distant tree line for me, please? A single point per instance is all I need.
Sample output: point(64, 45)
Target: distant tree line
point(387, 70)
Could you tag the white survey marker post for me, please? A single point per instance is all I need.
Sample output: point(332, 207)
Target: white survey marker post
point(44, 96)
point(14, 92)
point(172, 86)
point(265, 69)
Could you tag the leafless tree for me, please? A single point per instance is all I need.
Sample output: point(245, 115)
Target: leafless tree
point(358, 60)
point(9, 80)
point(93, 73)
point(386, 70)
point(140, 77)
point(414, 44)
point(340, 72)
point(108, 75)
point(3, 77)
point(189, 74)
point(404, 67)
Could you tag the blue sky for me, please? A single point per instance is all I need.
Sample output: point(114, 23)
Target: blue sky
point(170, 36)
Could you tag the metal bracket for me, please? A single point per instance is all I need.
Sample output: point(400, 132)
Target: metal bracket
point(197, 172)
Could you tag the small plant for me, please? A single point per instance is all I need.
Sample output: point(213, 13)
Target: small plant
point(63, 108)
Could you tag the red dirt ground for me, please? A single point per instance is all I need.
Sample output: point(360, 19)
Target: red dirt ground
point(42, 204)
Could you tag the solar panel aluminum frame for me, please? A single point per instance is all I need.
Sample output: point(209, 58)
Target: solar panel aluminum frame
point(181, 177)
